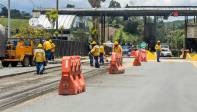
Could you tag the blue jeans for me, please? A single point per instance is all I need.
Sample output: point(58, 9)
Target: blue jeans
point(48, 54)
point(39, 67)
point(102, 58)
point(158, 56)
point(91, 59)
point(96, 62)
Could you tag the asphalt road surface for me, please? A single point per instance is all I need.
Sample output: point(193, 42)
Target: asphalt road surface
point(169, 86)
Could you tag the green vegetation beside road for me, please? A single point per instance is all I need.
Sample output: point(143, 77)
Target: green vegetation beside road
point(15, 23)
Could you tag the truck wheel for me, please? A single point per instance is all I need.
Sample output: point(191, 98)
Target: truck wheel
point(5, 63)
point(14, 64)
point(26, 61)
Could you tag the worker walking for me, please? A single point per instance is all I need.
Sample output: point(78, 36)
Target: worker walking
point(52, 49)
point(117, 48)
point(47, 47)
point(94, 54)
point(40, 59)
point(102, 54)
point(158, 50)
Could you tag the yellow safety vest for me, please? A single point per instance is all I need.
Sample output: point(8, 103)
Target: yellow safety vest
point(95, 51)
point(102, 50)
point(157, 47)
point(39, 55)
point(47, 45)
point(53, 47)
point(117, 49)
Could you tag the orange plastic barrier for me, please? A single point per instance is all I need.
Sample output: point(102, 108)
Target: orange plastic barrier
point(143, 55)
point(72, 80)
point(116, 66)
point(137, 61)
point(133, 53)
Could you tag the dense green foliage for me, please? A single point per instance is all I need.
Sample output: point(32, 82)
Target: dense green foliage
point(15, 23)
point(16, 14)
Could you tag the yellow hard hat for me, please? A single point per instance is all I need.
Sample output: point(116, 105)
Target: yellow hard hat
point(93, 43)
point(116, 43)
point(39, 46)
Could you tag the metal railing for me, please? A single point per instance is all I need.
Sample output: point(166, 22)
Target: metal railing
point(68, 48)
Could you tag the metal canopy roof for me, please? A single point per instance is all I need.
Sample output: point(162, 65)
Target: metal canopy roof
point(131, 11)
point(65, 21)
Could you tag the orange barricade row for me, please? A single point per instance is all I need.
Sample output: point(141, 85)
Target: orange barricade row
point(116, 66)
point(72, 80)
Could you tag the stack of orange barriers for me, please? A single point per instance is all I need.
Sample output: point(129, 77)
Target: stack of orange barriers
point(116, 66)
point(72, 80)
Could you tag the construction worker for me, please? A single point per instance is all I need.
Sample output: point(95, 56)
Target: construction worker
point(94, 54)
point(117, 48)
point(158, 50)
point(52, 49)
point(20, 42)
point(102, 54)
point(39, 58)
point(47, 47)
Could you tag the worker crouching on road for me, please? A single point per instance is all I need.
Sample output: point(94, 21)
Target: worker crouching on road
point(47, 48)
point(158, 50)
point(117, 48)
point(102, 54)
point(40, 59)
point(94, 54)
point(52, 49)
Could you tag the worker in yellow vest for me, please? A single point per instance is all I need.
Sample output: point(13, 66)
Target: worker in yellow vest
point(39, 58)
point(94, 54)
point(52, 49)
point(47, 47)
point(158, 50)
point(102, 54)
point(117, 48)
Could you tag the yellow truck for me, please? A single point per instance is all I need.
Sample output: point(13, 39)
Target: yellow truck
point(18, 51)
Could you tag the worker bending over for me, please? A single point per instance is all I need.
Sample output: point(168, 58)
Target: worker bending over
point(94, 54)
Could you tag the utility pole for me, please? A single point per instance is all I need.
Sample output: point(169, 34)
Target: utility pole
point(9, 20)
point(57, 8)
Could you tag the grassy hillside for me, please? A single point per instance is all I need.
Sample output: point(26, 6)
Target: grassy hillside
point(15, 23)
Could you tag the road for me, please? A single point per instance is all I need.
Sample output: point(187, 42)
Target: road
point(169, 86)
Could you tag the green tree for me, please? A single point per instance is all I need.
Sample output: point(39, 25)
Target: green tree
point(52, 17)
point(96, 23)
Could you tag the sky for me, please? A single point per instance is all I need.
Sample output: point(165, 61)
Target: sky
point(28, 5)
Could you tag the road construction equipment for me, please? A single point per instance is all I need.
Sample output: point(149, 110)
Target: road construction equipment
point(18, 51)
